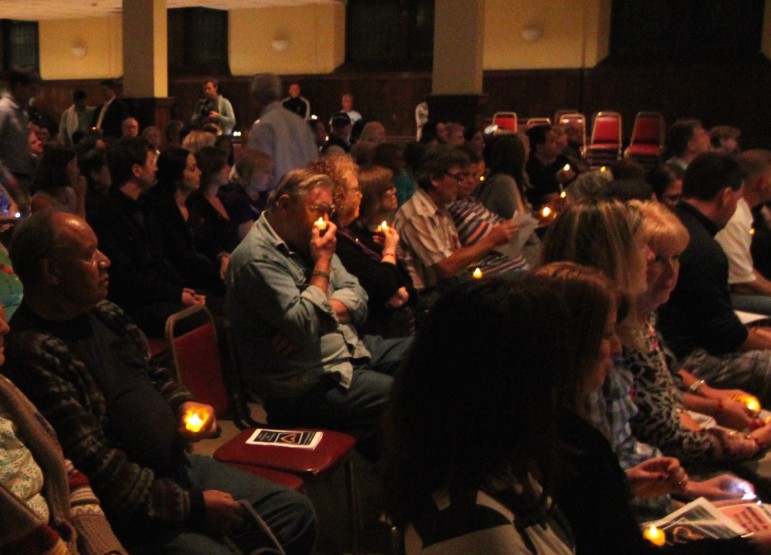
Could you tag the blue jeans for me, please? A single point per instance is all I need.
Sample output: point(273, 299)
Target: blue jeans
point(289, 514)
point(358, 408)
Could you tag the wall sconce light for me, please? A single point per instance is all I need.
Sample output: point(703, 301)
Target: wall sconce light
point(279, 45)
point(78, 49)
point(532, 32)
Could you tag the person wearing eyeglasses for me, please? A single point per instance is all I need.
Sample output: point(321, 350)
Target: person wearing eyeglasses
point(295, 312)
point(430, 247)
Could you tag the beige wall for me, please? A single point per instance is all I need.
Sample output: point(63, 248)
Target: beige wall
point(575, 33)
point(102, 37)
point(316, 36)
point(572, 32)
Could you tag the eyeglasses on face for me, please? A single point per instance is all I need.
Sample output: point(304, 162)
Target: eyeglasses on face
point(322, 209)
point(459, 177)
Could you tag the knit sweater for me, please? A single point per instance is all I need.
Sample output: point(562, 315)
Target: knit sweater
point(77, 523)
point(65, 390)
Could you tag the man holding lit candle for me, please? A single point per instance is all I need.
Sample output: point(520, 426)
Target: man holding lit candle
point(120, 420)
point(295, 309)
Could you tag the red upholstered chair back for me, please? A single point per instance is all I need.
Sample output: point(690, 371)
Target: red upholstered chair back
point(648, 129)
point(607, 128)
point(197, 359)
point(506, 121)
point(533, 122)
point(574, 118)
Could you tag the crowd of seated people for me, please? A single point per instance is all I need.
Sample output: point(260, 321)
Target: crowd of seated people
point(338, 271)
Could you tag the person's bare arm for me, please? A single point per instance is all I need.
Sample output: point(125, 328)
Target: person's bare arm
point(758, 339)
point(760, 286)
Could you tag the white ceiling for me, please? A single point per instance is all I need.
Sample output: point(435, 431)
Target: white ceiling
point(36, 10)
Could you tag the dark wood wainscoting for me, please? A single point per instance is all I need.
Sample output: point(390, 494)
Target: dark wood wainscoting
point(718, 94)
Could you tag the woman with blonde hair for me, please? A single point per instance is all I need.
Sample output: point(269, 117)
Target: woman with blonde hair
point(662, 420)
point(607, 236)
point(592, 490)
point(250, 179)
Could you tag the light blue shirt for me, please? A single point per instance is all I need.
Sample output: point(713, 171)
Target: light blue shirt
point(286, 137)
point(269, 293)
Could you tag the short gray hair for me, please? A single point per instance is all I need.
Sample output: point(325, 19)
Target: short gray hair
point(298, 183)
point(266, 87)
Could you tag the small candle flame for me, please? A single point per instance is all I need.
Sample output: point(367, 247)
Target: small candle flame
point(750, 401)
point(565, 168)
point(193, 422)
point(477, 274)
point(382, 227)
point(655, 536)
point(752, 231)
point(321, 223)
point(563, 194)
point(603, 169)
point(545, 211)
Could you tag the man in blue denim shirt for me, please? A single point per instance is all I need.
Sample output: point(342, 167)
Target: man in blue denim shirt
point(294, 310)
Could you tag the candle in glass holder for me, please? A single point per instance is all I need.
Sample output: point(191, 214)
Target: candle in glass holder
point(321, 223)
point(193, 421)
point(477, 274)
point(655, 536)
point(382, 227)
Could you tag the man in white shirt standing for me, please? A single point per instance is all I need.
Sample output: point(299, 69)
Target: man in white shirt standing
point(750, 291)
point(75, 118)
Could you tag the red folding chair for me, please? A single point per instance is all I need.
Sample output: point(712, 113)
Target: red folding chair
point(533, 122)
point(559, 113)
point(573, 119)
point(197, 360)
point(647, 143)
point(505, 122)
point(604, 147)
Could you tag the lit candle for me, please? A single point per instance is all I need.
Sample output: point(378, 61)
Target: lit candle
point(752, 231)
point(603, 169)
point(321, 223)
point(382, 227)
point(545, 211)
point(655, 536)
point(565, 168)
point(749, 401)
point(477, 273)
point(563, 194)
point(193, 421)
